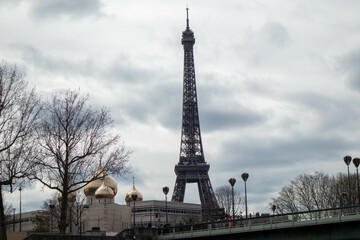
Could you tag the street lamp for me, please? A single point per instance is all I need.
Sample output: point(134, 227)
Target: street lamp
point(245, 177)
point(166, 191)
point(51, 206)
point(14, 220)
point(232, 182)
point(273, 208)
point(81, 211)
point(134, 197)
point(342, 201)
point(356, 162)
point(347, 160)
point(343, 197)
point(20, 189)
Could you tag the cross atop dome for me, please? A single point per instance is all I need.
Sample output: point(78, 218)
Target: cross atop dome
point(132, 191)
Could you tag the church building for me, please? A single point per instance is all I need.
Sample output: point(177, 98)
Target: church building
point(103, 213)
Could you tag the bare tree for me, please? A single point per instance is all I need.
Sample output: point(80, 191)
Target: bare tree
point(74, 139)
point(49, 218)
point(224, 197)
point(51, 213)
point(315, 191)
point(19, 111)
point(285, 203)
point(41, 222)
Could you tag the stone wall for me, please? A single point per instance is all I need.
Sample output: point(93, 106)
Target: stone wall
point(108, 217)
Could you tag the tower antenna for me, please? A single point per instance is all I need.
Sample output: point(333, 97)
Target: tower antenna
point(187, 18)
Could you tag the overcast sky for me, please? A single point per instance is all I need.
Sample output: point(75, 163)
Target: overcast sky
point(278, 83)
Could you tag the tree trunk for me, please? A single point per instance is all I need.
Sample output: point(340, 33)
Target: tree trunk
point(2, 217)
point(63, 213)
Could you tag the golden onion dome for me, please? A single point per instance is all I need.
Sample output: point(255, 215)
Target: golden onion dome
point(71, 197)
point(133, 190)
point(90, 188)
point(104, 192)
point(110, 182)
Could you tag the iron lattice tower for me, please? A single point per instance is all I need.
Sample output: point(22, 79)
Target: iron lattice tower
point(192, 167)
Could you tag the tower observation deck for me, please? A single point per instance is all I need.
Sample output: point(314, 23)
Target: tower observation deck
point(192, 167)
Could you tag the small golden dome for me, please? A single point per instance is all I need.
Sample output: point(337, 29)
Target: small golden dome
point(133, 190)
point(104, 192)
point(110, 182)
point(71, 197)
point(90, 189)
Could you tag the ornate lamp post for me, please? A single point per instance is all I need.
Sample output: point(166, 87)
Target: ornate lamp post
point(347, 160)
point(20, 189)
point(166, 191)
point(245, 177)
point(356, 162)
point(134, 197)
point(232, 182)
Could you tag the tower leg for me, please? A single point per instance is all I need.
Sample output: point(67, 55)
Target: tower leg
point(210, 207)
point(179, 190)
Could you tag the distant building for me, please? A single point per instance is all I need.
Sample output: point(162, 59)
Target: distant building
point(153, 212)
point(27, 220)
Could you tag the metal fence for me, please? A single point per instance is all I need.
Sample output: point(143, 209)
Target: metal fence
point(260, 223)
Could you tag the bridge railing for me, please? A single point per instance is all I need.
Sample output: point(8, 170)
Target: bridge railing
point(257, 223)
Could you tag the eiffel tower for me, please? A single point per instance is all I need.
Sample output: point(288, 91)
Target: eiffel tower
point(192, 167)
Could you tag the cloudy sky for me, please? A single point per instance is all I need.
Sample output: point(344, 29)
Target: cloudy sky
point(278, 83)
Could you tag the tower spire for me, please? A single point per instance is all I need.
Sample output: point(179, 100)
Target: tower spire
point(187, 19)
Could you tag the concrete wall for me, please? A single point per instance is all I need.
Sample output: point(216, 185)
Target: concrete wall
point(334, 231)
point(16, 235)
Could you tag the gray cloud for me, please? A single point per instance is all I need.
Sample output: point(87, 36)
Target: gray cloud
point(274, 33)
point(219, 119)
point(273, 163)
point(333, 114)
point(151, 96)
point(264, 45)
point(9, 3)
point(353, 79)
point(58, 65)
point(120, 71)
point(62, 8)
point(127, 71)
point(267, 152)
point(155, 102)
point(350, 64)
point(138, 173)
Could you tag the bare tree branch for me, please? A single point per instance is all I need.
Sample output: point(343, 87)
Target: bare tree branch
point(315, 191)
point(19, 114)
point(74, 137)
point(224, 197)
